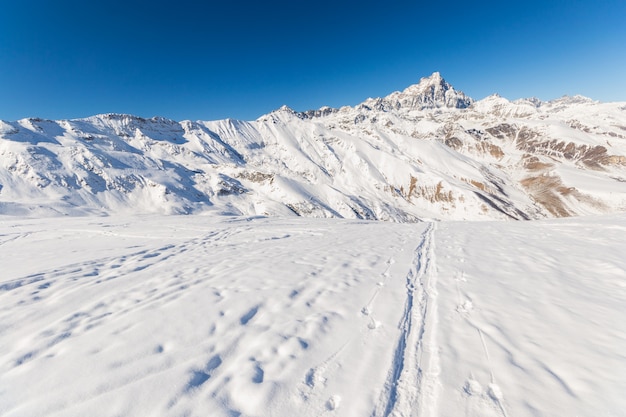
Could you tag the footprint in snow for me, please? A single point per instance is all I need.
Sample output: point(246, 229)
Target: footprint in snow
point(199, 377)
point(465, 307)
point(249, 315)
point(303, 343)
point(259, 374)
point(495, 393)
point(213, 363)
point(472, 387)
point(333, 402)
point(373, 324)
point(315, 377)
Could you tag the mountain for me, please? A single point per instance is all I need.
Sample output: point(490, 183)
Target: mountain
point(431, 93)
point(428, 152)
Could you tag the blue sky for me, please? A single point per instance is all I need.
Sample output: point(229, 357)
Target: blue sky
point(206, 60)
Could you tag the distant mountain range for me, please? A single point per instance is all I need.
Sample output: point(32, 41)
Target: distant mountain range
point(428, 152)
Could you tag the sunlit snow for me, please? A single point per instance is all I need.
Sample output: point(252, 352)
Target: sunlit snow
point(251, 316)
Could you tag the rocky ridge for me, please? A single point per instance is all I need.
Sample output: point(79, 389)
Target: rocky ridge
point(428, 152)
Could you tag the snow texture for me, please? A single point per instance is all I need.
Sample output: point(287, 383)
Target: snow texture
point(232, 316)
point(279, 297)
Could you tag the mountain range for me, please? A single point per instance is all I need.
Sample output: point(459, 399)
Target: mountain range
point(427, 152)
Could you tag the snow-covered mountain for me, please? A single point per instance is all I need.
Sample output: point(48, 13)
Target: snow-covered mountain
point(428, 152)
point(250, 316)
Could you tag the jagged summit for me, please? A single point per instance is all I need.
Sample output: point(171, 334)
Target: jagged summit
point(428, 84)
point(428, 151)
point(430, 93)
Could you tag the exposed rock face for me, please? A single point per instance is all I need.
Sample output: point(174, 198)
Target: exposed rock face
point(431, 93)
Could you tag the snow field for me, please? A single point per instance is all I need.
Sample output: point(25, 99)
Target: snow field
point(200, 315)
point(532, 317)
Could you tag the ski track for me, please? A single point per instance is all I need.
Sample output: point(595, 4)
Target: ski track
point(320, 395)
point(111, 289)
point(249, 317)
point(411, 388)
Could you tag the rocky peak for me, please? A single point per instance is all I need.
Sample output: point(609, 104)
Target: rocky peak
point(432, 92)
point(434, 83)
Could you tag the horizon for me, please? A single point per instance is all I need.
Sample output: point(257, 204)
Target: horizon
point(156, 116)
point(242, 60)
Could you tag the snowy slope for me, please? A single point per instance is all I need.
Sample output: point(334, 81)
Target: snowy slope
point(428, 152)
point(220, 316)
point(126, 311)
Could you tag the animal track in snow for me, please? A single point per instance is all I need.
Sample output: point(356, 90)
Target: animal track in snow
point(465, 307)
point(481, 402)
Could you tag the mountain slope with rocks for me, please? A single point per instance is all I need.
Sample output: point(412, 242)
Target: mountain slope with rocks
point(428, 152)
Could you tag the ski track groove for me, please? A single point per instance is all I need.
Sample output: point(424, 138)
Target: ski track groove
point(411, 386)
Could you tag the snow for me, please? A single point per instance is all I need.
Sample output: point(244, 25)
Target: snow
point(428, 152)
point(254, 316)
point(267, 300)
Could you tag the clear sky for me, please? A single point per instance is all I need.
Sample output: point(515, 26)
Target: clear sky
point(207, 60)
